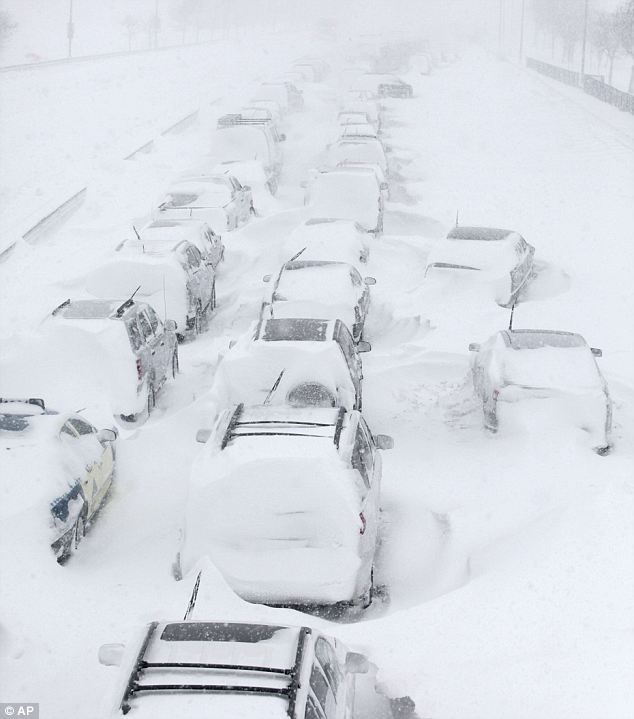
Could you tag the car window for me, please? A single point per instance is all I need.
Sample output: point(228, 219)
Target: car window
point(362, 458)
point(313, 710)
point(355, 277)
point(145, 326)
point(346, 343)
point(327, 659)
point(134, 334)
point(68, 430)
point(211, 238)
point(81, 427)
point(193, 257)
point(155, 320)
point(322, 691)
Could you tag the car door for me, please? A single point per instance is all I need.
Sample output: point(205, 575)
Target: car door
point(352, 359)
point(214, 244)
point(326, 658)
point(363, 293)
point(366, 459)
point(200, 277)
point(321, 690)
point(166, 342)
point(156, 349)
point(91, 462)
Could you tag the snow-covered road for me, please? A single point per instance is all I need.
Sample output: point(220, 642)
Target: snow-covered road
point(506, 562)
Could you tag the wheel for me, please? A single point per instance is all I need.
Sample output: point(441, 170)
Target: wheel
point(175, 367)
point(80, 532)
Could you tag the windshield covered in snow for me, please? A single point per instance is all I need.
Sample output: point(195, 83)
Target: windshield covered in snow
point(299, 330)
point(218, 632)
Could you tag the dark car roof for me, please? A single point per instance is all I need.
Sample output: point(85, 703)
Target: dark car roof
point(486, 234)
point(533, 339)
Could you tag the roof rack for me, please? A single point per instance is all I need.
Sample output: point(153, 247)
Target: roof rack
point(236, 118)
point(141, 665)
point(37, 401)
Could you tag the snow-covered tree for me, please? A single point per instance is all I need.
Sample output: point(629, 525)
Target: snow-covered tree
point(625, 24)
point(605, 36)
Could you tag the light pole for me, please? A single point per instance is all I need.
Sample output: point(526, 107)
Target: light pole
point(70, 29)
point(157, 23)
point(583, 44)
point(522, 30)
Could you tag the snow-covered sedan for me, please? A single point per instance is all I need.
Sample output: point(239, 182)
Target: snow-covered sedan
point(319, 289)
point(198, 233)
point(326, 238)
point(247, 143)
point(170, 275)
point(55, 473)
point(285, 502)
point(220, 200)
point(383, 85)
point(347, 195)
point(517, 372)
point(357, 149)
point(203, 669)
point(500, 258)
point(296, 361)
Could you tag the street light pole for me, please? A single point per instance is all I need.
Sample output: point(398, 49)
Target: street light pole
point(157, 22)
point(522, 30)
point(70, 29)
point(583, 44)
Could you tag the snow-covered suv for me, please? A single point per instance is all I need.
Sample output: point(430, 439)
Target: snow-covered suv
point(199, 669)
point(124, 345)
point(285, 502)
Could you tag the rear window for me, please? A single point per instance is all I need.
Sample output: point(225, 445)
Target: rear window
point(536, 340)
point(303, 330)
point(218, 632)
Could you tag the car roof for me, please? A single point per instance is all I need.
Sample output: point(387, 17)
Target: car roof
point(487, 234)
point(199, 659)
point(174, 229)
point(153, 247)
point(95, 309)
point(535, 339)
point(295, 330)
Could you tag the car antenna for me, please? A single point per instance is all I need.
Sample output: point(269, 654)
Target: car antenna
point(136, 232)
point(192, 599)
point(511, 318)
point(128, 303)
point(457, 211)
point(276, 384)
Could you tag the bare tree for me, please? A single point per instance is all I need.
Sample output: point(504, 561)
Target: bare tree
point(7, 26)
point(625, 24)
point(605, 36)
point(131, 25)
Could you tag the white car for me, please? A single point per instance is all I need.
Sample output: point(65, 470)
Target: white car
point(500, 258)
point(224, 205)
point(319, 289)
point(246, 143)
point(370, 108)
point(297, 361)
point(203, 669)
point(197, 232)
point(347, 195)
point(271, 106)
point(517, 368)
point(327, 238)
point(357, 149)
point(360, 130)
point(170, 275)
point(354, 117)
point(55, 473)
point(285, 502)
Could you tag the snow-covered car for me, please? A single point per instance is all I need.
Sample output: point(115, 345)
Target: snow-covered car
point(500, 258)
point(285, 93)
point(55, 473)
point(381, 178)
point(319, 289)
point(124, 347)
point(326, 238)
point(271, 106)
point(384, 85)
point(170, 275)
point(246, 143)
point(220, 200)
point(347, 195)
point(197, 232)
point(285, 502)
point(296, 361)
point(354, 103)
point(354, 117)
point(360, 130)
point(357, 149)
point(319, 67)
point(558, 370)
point(202, 669)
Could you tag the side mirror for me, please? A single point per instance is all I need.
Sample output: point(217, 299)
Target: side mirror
point(203, 435)
point(356, 663)
point(369, 280)
point(282, 137)
point(170, 325)
point(107, 435)
point(383, 186)
point(246, 188)
point(474, 347)
point(363, 346)
point(232, 343)
point(266, 278)
point(110, 655)
point(596, 352)
point(383, 441)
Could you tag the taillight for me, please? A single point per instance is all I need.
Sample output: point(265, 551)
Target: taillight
point(139, 369)
point(363, 523)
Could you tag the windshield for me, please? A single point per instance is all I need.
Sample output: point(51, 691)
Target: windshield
point(295, 329)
